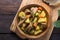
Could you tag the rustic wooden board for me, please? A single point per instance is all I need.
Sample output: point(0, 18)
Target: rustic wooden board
point(26, 2)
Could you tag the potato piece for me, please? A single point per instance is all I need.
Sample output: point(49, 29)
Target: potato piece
point(36, 14)
point(23, 26)
point(43, 14)
point(27, 21)
point(37, 28)
point(37, 32)
point(42, 20)
point(39, 11)
point(32, 32)
point(21, 14)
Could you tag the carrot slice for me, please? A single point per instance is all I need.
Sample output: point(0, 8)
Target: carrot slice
point(35, 24)
point(42, 15)
point(40, 8)
point(27, 16)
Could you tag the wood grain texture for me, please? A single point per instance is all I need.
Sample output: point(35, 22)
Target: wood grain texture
point(15, 37)
point(10, 37)
point(56, 31)
point(11, 6)
point(5, 22)
point(55, 37)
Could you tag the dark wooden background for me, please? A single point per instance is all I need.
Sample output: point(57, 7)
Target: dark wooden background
point(8, 9)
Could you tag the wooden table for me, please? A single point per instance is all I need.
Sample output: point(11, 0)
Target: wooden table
point(8, 9)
